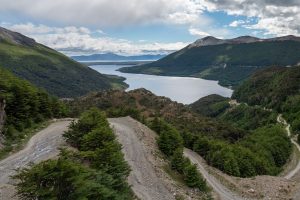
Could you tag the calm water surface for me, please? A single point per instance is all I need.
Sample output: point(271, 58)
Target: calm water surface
point(181, 89)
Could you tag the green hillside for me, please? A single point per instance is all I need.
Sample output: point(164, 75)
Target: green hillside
point(230, 63)
point(49, 69)
point(210, 106)
point(275, 88)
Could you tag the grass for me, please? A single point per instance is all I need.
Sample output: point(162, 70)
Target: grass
point(11, 148)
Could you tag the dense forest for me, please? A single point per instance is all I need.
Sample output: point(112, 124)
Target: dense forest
point(26, 106)
point(49, 69)
point(222, 141)
point(274, 88)
point(228, 63)
point(93, 169)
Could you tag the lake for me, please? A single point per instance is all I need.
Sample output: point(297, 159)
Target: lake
point(184, 90)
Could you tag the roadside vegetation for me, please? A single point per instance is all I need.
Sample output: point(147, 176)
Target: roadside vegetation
point(170, 143)
point(94, 168)
point(26, 108)
point(229, 141)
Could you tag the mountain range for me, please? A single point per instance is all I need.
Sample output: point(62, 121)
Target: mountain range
point(49, 69)
point(229, 61)
point(116, 57)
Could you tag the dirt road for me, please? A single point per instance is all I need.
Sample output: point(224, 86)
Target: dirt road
point(40, 147)
point(281, 120)
point(145, 181)
point(221, 190)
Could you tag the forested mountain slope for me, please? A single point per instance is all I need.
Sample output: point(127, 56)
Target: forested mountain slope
point(229, 61)
point(274, 88)
point(49, 69)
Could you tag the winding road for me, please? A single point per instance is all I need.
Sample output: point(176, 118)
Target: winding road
point(281, 120)
point(143, 178)
point(223, 192)
point(145, 182)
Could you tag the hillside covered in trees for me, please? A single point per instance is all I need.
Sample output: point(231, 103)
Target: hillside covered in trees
point(222, 142)
point(49, 69)
point(229, 61)
point(274, 88)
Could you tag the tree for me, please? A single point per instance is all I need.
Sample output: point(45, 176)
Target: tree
point(169, 139)
point(177, 160)
point(193, 178)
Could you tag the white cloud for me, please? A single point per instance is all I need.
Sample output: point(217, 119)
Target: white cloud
point(275, 17)
point(237, 23)
point(197, 32)
point(73, 40)
point(216, 32)
point(107, 12)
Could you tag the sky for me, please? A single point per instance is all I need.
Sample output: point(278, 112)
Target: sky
point(135, 27)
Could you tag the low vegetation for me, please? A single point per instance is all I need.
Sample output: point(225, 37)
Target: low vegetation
point(94, 169)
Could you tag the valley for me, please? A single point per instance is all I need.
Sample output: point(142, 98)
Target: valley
point(184, 90)
point(218, 119)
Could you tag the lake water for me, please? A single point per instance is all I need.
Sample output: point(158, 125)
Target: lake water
point(181, 89)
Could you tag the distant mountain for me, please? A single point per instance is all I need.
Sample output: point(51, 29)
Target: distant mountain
point(229, 61)
point(49, 69)
point(116, 57)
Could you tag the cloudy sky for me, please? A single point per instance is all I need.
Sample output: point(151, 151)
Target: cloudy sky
point(145, 26)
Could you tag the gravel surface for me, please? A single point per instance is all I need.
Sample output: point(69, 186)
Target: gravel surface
point(223, 192)
point(41, 146)
point(281, 120)
point(146, 183)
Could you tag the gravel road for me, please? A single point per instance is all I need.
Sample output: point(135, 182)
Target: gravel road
point(281, 120)
point(146, 183)
point(40, 147)
point(223, 192)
